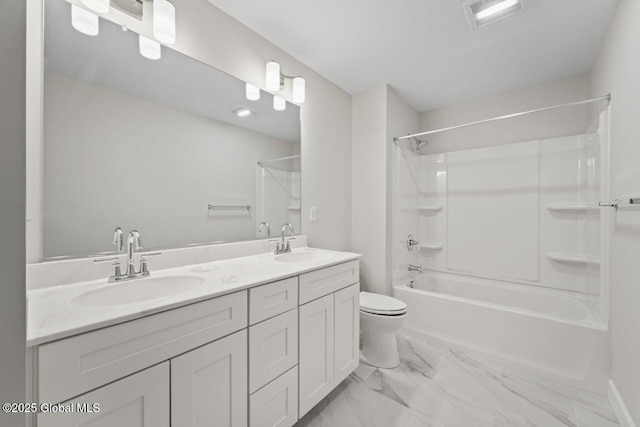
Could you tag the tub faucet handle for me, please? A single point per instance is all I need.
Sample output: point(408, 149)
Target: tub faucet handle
point(411, 243)
point(417, 268)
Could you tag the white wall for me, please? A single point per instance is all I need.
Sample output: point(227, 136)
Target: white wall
point(616, 71)
point(209, 35)
point(122, 171)
point(12, 207)
point(378, 115)
point(555, 123)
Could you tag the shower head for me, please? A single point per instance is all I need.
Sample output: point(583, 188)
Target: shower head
point(420, 144)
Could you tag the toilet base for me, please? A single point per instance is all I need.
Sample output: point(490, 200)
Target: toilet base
point(379, 345)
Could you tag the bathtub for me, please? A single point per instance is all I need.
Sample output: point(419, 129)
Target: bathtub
point(548, 331)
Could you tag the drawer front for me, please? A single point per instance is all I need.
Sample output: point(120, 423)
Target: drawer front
point(269, 300)
point(75, 365)
point(328, 280)
point(273, 348)
point(276, 404)
point(140, 400)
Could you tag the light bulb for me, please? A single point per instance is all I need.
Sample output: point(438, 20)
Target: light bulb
point(150, 49)
point(279, 104)
point(253, 92)
point(100, 6)
point(164, 21)
point(84, 21)
point(298, 90)
point(273, 76)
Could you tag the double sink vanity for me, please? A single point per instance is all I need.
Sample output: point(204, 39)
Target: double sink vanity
point(255, 340)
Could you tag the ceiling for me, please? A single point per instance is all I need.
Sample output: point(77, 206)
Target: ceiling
point(425, 49)
point(112, 60)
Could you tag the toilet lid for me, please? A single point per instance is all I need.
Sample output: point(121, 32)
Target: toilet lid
point(381, 304)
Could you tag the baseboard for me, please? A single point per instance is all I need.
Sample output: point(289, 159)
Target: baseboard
point(619, 408)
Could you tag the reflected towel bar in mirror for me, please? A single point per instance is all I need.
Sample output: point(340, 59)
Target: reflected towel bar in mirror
point(243, 207)
point(621, 202)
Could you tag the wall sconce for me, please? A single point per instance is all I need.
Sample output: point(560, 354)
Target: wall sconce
point(164, 21)
point(252, 92)
point(275, 82)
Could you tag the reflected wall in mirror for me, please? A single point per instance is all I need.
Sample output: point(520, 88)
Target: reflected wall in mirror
point(150, 145)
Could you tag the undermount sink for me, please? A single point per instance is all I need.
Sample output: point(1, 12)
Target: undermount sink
point(299, 257)
point(138, 290)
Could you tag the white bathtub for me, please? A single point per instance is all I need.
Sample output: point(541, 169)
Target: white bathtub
point(546, 330)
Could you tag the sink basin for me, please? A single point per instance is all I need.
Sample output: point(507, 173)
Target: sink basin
point(138, 290)
point(300, 257)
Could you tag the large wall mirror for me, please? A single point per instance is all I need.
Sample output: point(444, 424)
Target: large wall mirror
point(156, 146)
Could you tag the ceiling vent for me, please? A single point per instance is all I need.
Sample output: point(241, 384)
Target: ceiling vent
point(483, 12)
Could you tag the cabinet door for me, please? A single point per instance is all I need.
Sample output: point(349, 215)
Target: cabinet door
point(209, 384)
point(140, 400)
point(347, 331)
point(316, 352)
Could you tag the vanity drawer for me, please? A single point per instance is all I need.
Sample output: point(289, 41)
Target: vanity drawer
point(81, 363)
point(273, 348)
point(276, 404)
point(272, 299)
point(323, 282)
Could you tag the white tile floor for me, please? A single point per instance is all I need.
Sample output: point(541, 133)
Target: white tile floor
point(437, 386)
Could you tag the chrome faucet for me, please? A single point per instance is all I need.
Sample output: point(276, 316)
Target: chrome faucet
point(284, 246)
point(265, 224)
point(134, 244)
point(417, 268)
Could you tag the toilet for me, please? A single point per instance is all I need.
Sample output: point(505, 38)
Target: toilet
point(380, 318)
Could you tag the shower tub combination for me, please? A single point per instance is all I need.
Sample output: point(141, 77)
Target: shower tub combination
point(560, 335)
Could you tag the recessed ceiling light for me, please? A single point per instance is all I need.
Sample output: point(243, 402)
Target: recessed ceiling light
point(242, 112)
point(482, 12)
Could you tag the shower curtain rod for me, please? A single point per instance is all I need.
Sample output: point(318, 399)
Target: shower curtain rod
point(508, 116)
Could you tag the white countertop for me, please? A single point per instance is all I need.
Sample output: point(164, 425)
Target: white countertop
point(52, 314)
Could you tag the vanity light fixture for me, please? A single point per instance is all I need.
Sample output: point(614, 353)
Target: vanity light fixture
point(243, 112)
point(84, 21)
point(279, 104)
point(164, 21)
point(150, 49)
point(253, 92)
point(273, 76)
point(298, 90)
point(482, 12)
point(275, 82)
point(100, 6)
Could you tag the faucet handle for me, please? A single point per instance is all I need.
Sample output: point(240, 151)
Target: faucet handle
point(115, 267)
point(144, 270)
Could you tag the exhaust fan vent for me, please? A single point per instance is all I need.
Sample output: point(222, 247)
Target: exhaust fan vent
point(483, 12)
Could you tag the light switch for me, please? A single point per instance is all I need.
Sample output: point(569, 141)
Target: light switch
point(313, 214)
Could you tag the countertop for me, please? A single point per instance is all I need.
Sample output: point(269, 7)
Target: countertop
point(52, 313)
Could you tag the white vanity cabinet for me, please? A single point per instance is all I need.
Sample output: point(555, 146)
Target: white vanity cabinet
point(209, 384)
point(261, 357)
point(139, 400)
point(329, 331)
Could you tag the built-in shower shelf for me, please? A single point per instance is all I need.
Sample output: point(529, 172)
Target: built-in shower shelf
point(433, 247)
point(572, 208)
point(293, 208)
point(572, 259)
point(429, 208)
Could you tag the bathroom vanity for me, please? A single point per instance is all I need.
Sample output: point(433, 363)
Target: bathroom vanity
point(254, 341)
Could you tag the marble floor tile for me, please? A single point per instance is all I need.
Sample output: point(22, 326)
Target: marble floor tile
point(437, 386)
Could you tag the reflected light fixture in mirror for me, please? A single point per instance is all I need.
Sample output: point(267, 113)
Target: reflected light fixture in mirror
point(150, 49)
point(273, 76)
point(84, 21)
point(279, 104)
point(100, 6)
point(253, 92)
point(164, 21)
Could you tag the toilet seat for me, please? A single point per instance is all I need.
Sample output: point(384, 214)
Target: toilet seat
point(381, 305)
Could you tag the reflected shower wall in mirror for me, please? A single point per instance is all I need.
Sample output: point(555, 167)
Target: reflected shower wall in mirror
point(149, 145)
